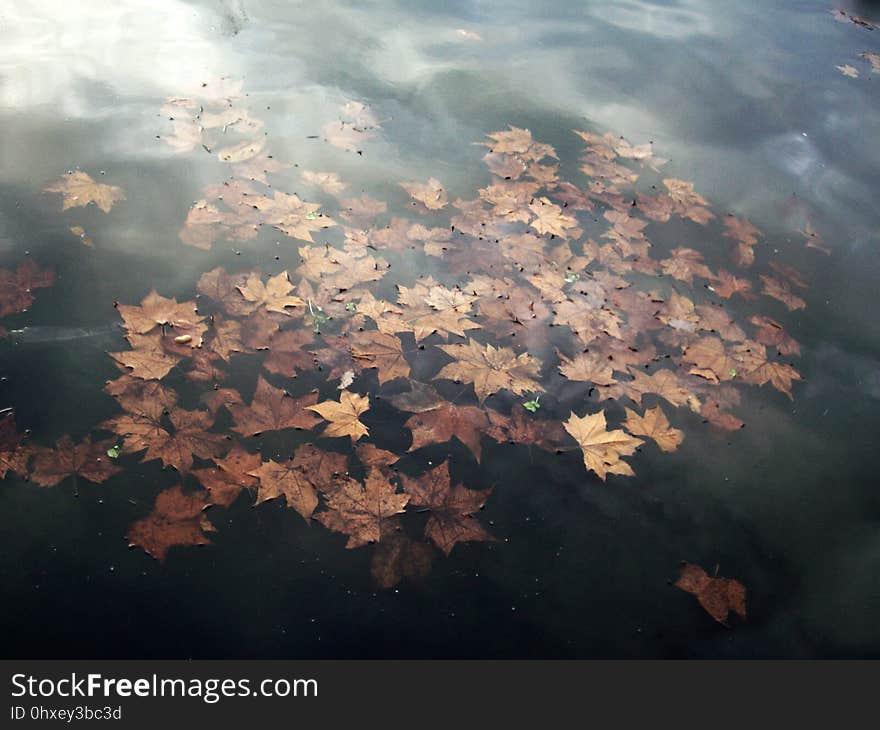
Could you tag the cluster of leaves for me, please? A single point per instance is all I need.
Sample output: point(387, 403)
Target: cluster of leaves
point(549, 305)
point(872, 58)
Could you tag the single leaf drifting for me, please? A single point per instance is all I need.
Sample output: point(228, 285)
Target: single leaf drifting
point(398, 557)
point(719, 596)
point(430, 194)
point(451, 507)
point(344, 414)
point(16, 287)
point(79, 189)
point(177, 518)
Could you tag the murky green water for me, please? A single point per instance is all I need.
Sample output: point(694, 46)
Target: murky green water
point(745, 101)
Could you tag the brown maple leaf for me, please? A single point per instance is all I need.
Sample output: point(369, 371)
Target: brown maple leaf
point(655, 426)
point(13, 456)
point(177, 518)
point(287, 480)
point(369, 455)
point(719, 596)
point(299, 479)
point(346, 136)
point(452, 507)
point(223, 288)
point(550, 219)
point(274, 295)
point(224, 338)
point(602, 449)
point(522, 428)
point(779, 375)
point(343, 416)
point(685, 264)
point(664, 383)
point(434, 308)
point(587, 367)
point(430, 194)
point(231, 475)
point(374, 349)
point(272, 409)
point(780, 290)
point(398, 557)
point(289, 352)
point(727, 285)
point(86, 459)
point(363, 210)
point(360, 510)
point(16, 286)
point(293, 216)
point(442, 421)
point(148, 359)
point(79, 189)
point(771, 333)
point(157, 312)
point(187, 437)
point(329, 182)
point(491, 369)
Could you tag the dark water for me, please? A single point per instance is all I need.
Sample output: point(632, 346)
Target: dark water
point(745, 101)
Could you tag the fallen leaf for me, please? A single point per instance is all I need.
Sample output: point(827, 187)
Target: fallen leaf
point(655, 426)
point(272, 409)
point(451, 507)
point(602, 449)
point(491, 369)
point(719, 596)
point(177, 518)
point(360, 510)
point(79, 189)
point(344, 414)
